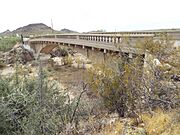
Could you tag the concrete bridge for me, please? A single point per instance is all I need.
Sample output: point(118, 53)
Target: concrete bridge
point(97, 45)
point(94, 46)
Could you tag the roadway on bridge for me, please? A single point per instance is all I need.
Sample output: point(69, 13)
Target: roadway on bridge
point(88, 43)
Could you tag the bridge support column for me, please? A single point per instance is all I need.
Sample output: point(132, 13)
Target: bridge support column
point(92, 48)
point(104, 55)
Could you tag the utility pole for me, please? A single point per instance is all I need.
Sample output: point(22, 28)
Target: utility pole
point(52, 26)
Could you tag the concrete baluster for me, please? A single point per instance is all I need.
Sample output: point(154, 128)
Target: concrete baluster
point(110, 39)
point(107, 40)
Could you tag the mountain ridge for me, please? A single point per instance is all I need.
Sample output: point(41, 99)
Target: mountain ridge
point(34, 29)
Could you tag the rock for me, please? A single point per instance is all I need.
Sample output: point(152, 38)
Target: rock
point(156, 62)
point(80, 61)
point(58, 61)
point(7, 71)
point(81, 66)
point(18, 53)
point(60, 52)
point(79, 58)
point(75, 65)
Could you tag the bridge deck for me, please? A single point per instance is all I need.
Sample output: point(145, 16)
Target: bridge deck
point(94, 44)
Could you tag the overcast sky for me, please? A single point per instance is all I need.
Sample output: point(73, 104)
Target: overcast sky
point(87, 15)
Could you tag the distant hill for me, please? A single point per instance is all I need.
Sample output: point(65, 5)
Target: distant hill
point(34, 29)
point(67, 31)
point(5, 33)
point(95, 31)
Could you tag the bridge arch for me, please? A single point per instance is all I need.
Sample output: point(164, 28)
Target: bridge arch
point(47, 48)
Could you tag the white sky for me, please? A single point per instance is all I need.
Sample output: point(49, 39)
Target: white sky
point(87, 15)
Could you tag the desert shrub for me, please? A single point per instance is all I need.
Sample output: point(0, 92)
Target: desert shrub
point(68, 60)
point(119, 88)
point(7, 43)
point(162, 123)
point(36, 106)
point(115, 128)
point(136, 84)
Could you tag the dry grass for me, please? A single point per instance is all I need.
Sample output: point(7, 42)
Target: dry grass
point(112, 129)
point(162, 123)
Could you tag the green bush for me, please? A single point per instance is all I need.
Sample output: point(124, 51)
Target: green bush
point(35, 106)
point(7, 43)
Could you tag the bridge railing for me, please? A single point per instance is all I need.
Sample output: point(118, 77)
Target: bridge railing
point(106, 38)
point(100, 38)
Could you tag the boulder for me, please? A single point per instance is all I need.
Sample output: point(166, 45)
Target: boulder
point(79, 58)
point(58, 61)
point(60, 52)
point(19, 54)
